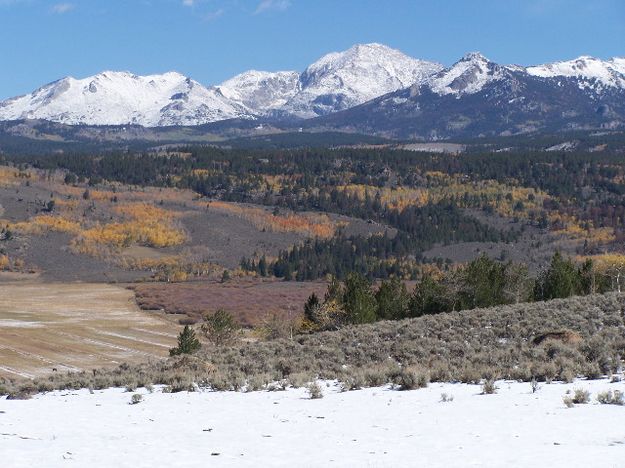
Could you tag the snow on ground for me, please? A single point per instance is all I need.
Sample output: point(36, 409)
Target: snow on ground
point(372, 427)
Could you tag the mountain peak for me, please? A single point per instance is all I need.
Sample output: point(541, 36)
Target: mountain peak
point(474, 57)
point(340, 80)
point(467, 76)
point(120, 97)
point(593, 73)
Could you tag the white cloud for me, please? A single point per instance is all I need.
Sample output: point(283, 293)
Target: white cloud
point(61, 8)
point(188, 3)
point(266, 5)
point(213, 15)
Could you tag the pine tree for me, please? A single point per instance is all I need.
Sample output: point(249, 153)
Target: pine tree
point(392, 300)
point(311, 306)
point(221, 328)
point(187, 343)
point(429, 297)
point(358, 300)
point(560, 280)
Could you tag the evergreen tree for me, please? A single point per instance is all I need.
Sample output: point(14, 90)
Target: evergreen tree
point(392, 300)
point(560, 280)
point(262, 266)
point(221, 328)
point(187, 342)
point(484, 281)
point(311, 306)
point(429, 297)
point(358, 300)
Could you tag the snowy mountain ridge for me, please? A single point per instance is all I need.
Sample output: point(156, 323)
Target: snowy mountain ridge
point(118, 98)
point(336, 82)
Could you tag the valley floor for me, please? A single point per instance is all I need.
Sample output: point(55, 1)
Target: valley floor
point(371, 427)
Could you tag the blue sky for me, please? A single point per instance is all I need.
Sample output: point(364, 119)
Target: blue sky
point(212, 40)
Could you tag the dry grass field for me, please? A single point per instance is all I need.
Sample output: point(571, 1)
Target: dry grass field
point(75, 326)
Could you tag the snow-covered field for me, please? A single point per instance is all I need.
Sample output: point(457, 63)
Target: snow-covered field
point(372, 427)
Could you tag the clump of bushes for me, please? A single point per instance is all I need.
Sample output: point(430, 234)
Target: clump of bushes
point(610, 397)
point(580, 397)
point(411, 379)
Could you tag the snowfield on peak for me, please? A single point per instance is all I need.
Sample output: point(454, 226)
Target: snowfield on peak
point(371, 427)
point(590, 70)
point(118, 98)
point(467, 76)
point(341, 80)
point(261, 91)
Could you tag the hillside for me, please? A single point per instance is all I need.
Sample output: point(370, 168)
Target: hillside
point(508, 342)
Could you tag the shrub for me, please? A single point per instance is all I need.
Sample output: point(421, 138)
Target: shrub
point(534, 385)
point(411, 379)
point(581, 396)
point(611, 398)
point(446, 398)
point(135, 399)
point(489, 387)
point(568, 401)
point(314, 391)
point(187, 342)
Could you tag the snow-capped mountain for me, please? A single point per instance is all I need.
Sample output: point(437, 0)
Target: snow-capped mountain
point(341, 80)
point(477, 97)
point(337, 81)
point(261, 91)
point(469, 75)
point(118, 98)
point(589, 91)
point(591, 72)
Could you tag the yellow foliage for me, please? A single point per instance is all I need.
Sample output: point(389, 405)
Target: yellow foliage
point(8, 264)
point(606, 262)
point(43, 223)
point(8, 176)
point(119, 235)
point(144, 212)
point(571, 227)
point(397, 198)
point(504, 199)
point(316, 225)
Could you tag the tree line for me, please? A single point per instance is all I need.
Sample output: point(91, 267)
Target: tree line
point(481, 283)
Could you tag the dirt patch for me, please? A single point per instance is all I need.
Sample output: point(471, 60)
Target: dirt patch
point(250, 301)
point(75, 326)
